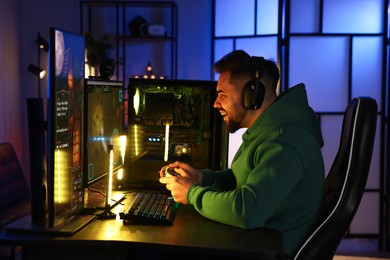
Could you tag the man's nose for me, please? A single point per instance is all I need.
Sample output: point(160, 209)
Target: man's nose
point(216, 103)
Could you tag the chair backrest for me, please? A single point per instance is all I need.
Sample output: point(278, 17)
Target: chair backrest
point(13, 185)
point(346, 181)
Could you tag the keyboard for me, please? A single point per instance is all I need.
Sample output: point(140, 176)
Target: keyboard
point(150, 208)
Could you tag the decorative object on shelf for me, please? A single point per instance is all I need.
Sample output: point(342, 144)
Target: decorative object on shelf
point(99, 54)
point(107, 68)
point(159, 34)
point(140, 27)
point(149, 71)
point(152, 30)
point(135, 25)
point(149, 74)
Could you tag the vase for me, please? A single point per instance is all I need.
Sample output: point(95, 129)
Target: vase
point(107, 68)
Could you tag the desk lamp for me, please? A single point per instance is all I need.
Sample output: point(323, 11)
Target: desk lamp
point(122, 145)
point(166, 150)
point(107, 214)
point(42, 44)
point(41, 73)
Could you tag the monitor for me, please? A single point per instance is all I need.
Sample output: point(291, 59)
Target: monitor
point(61, 186)
point(65, 127)
point(172, 120)
point(103, 117)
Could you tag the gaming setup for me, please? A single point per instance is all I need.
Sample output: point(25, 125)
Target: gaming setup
point(105, 139)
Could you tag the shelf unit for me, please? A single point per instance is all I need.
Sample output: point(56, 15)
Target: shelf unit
point(132, 54)
point(320, 31)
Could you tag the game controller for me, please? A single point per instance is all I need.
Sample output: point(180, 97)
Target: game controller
point(170, 172)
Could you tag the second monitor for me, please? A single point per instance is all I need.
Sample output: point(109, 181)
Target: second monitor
point(104, 125)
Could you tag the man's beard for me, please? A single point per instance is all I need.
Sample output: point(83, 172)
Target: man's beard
point(234, 122)
point(232, 126)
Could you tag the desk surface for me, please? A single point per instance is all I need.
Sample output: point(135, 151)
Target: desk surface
point(190, 233)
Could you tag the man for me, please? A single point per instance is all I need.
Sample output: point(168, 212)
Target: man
point(276, 177)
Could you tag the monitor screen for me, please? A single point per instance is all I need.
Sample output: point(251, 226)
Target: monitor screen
point(65, 126)
point(103, 119)
point(172, 120)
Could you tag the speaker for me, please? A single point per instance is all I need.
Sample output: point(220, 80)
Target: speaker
point(254, 90)
point(152, 30)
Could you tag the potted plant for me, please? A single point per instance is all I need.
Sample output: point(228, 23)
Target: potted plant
point(99, 54)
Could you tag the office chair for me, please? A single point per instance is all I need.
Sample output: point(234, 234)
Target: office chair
point(345, 183)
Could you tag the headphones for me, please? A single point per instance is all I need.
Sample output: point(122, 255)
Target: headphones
point(254, 90)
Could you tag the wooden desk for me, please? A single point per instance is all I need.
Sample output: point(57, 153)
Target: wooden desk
point(190, 233)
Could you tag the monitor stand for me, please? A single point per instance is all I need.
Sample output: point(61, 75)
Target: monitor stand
point(71, 226)
point(94, 197)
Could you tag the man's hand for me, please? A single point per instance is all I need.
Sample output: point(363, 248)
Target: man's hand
point(180, 184)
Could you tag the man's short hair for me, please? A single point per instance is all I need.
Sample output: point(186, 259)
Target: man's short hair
point(238, 62)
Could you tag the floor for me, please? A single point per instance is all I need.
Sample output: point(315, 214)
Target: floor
point(360, 249)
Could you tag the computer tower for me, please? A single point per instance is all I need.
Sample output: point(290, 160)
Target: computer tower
point(172, 120)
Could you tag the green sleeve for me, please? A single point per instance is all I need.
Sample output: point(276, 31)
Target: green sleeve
point(267, 187)
point(220, 180)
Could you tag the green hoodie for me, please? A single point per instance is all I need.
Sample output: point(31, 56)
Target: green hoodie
point(276, 178)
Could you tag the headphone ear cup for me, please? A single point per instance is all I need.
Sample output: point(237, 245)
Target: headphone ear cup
point(249, 90)
point(254, 92)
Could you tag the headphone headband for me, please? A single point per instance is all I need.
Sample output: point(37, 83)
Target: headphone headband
point(257, 66)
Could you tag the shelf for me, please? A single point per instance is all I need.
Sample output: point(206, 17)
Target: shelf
point(145, 39)
point(113, 17)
